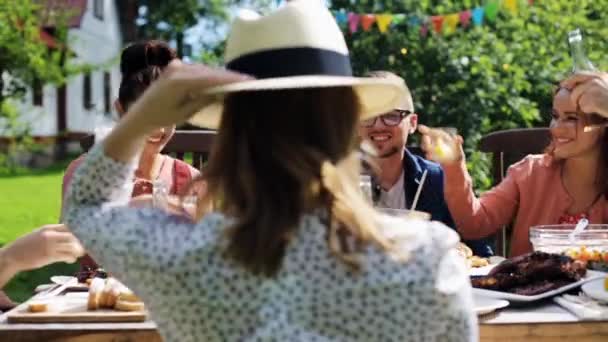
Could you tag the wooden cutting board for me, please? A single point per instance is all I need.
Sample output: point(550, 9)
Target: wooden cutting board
point(71, 309)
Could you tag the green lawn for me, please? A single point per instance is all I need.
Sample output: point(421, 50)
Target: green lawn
point(27, 201)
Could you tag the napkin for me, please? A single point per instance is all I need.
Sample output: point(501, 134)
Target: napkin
point(583, 307)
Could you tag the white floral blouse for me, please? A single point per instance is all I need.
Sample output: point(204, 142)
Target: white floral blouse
point(194, 293)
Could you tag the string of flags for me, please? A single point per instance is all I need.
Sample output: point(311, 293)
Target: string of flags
point(446, 24)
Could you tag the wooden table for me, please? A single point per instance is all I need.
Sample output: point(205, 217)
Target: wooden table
point(544, 322)
point(547, 322)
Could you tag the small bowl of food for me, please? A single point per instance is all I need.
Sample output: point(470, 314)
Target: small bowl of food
point(412, 214)
point(590, 245)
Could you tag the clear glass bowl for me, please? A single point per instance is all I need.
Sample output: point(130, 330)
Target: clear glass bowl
point(590, 245)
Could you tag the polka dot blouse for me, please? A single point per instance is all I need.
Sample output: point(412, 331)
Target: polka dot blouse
point(194, 293)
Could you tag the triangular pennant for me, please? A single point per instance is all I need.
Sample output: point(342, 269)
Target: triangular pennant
point(367, 20)
point(451, 21)
point(465, 18)
point(341, 17)
point(413, 21)
point(424, 30)
point(383, 21)
point(491, 9)
point(398, 18)
point(478, 14)
point(437, 21)
point(511, 6)
point(353, 22)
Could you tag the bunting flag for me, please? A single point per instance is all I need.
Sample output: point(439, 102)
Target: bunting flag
point(465, 18)
point(511, 6)
point(437, 21)
point(478, 16)
point(413, 21)
point(399, 18)
point(423, 23)
point(491, 10)
point(367, 20)
point(353, 22)
point(451, 21)
point(341, 17)
point(383, 21)
point(424, 30)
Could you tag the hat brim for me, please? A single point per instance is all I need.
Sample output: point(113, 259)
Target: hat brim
point(376, 95)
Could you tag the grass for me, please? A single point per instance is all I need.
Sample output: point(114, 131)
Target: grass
point(28, 200)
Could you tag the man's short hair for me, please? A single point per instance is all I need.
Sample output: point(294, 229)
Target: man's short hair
point(390, 75)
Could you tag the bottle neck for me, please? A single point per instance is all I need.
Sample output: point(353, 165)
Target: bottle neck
point(580, 62)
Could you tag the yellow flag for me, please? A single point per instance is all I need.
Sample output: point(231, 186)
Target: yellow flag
point(383, 21)
point(451, 21)
point(511, 6)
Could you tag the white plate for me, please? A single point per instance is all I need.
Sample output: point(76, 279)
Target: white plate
point(595, 289)
point(591, 275)
point(485, 305)
point(61, 279)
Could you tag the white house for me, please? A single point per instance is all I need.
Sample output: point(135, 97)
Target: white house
point(85, 102)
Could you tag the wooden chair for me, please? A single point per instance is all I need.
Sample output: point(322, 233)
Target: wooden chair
point(198, 143)
point(508, 147)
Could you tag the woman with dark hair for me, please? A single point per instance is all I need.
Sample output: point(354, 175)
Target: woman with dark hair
point(292, 250)
point(141, 64)
point(565, 184)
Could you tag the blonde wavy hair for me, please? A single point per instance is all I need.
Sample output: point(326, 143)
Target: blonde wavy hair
point(279, 155)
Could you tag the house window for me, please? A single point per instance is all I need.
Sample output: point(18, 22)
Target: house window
point(107, 93)
point(87, 102)
point(98, 6)
point(37, 94)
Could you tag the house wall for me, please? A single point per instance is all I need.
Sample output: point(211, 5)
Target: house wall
point(98, 43)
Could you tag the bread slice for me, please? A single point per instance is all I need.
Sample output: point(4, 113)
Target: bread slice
point(123, 305)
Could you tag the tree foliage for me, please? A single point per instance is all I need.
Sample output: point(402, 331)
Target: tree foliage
point(496, 76)
point(24, 60)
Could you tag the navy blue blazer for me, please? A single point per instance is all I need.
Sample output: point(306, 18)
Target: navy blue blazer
point(431, 198)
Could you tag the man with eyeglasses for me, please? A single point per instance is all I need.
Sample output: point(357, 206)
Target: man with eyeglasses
point(400, 171)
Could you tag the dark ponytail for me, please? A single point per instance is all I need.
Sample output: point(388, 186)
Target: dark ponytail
point(140, 64)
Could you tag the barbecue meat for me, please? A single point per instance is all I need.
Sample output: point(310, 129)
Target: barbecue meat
point(532, 273)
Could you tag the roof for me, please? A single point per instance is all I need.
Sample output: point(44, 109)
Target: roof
point(74, 9)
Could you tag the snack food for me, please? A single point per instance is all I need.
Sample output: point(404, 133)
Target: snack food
point(38, 307)
point(471, 260)
point(596, 259)
point(111, 294)
point(123, 305)
point(86, 276)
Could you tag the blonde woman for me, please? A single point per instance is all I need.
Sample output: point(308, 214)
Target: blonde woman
point(292, 252)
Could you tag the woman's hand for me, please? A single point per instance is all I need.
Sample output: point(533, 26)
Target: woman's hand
point(178, 94)
point(589, 91)
point(170, 100)
point(46, 245)
point(440, 146)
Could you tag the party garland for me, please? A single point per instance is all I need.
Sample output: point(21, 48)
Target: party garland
point(447, 23)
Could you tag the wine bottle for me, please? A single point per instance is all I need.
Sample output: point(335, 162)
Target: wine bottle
point(580, 62)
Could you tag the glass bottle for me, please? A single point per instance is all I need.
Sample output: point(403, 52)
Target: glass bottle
point(580, 62)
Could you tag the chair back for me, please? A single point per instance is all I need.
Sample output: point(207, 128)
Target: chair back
point(508, 147)
point(198, 143)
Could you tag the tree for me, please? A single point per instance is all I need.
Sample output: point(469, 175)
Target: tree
point(496, 76)
point(25, 60)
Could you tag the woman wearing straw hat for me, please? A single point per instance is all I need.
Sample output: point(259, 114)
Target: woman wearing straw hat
point(292, 251)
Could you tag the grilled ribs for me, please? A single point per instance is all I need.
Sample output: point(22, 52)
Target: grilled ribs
point(532, 274)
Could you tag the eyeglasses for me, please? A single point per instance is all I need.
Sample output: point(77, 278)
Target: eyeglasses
point(390, 119)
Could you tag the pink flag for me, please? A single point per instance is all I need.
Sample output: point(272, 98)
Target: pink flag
point(353, 22)
point(465, 18)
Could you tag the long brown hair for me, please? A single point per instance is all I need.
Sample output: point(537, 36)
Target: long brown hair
point(279, 155)
point(585, 120)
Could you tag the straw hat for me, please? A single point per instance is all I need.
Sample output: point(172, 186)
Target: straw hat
point(297, 46)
